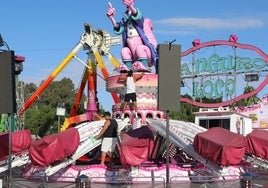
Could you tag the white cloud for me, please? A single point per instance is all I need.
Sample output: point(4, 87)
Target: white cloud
point(211, 23)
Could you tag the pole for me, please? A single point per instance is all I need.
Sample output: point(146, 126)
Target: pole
point(9, 151)
point(58, 124)
point(167, 149)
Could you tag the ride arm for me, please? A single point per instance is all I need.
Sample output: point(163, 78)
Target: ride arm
point(86, 40)
point(89, 40)
point(50, 78)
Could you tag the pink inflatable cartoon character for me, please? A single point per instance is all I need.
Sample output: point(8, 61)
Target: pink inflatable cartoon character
point(139, 44)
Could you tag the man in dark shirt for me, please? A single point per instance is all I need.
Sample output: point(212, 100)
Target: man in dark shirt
point(109, 137)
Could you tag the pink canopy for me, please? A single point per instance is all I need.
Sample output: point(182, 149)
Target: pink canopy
point(20, 141)
point(257, 143)
point(136, 146)
point(54, 147)
point(220, 146)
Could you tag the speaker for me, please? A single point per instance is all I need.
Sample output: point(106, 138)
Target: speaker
point(7, 83)
point(169, 77)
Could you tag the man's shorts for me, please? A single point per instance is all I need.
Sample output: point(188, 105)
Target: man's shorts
point(108, 144)
point(130, 96)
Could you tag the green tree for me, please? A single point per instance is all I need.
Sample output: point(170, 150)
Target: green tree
point(248, 101)
point(186, 111)
point(41, 117)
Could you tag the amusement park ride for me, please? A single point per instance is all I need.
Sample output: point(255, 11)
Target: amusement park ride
point(54, 156)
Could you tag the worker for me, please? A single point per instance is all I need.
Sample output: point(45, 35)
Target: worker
point(108, 134)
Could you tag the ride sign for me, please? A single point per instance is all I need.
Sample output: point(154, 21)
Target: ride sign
point(215, 66)
point(217, 76)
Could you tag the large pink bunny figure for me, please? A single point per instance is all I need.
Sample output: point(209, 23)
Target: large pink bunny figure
point(139, 45)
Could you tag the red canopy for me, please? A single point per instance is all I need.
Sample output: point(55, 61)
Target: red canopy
point(54, 147)
point(220, 146)
point(20, 141)
point(136, 146)
point(257, 143)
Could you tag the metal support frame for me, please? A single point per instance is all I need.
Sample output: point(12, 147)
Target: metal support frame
point(167, 148)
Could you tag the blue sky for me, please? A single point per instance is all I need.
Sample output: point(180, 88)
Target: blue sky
point(46, 31)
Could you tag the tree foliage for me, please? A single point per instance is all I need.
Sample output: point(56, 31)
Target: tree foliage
point(186, 111)
point(40, 117)
point(248, 101)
